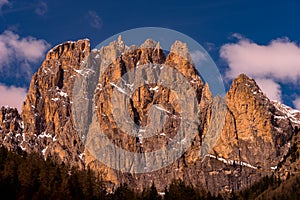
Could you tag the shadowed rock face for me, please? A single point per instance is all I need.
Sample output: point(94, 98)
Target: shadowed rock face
point(225, 154)
point(11, 127)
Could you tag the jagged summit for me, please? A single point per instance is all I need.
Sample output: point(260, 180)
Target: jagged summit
point(84, 40)
point(246, 88)
point(181, 49)
point(149, 43)
point(245, 82)
point(120, 40)
point(157, 47)
point(69, 45)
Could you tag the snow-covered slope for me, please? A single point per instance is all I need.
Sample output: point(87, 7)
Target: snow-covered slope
point(287, 112)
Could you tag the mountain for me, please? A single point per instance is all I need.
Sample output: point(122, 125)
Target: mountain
point(239, 138)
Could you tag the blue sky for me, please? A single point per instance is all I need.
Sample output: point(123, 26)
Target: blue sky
point(222, 27)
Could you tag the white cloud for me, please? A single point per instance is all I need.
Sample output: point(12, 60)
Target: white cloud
point(237, 36)
point(12, 96)
point(2, 3)
point(270, 88)
point(277, 62)
point(198, 57)
point(94, 19)
point(17, 55)
point(280, 59)
point(13, 48)
point(41, 8)
point(296, 103)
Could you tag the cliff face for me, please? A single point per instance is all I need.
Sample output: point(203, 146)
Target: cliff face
point(239, 138)
point(253, 132)
point(48, 127)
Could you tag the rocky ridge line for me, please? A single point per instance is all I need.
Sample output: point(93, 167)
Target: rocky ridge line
point(257, 132)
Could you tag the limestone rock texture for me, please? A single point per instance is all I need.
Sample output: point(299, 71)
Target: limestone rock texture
point(252, 132)
point(240, 138)
point(11, 128)
point(46, 112)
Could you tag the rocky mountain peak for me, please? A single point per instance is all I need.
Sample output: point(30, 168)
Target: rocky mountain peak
point(157, 47)
point(181, 49)
point(245, 94)
point(120, 40)
point(247, 134)
point(244, 84)
point(149, 43)
point(48, 128)
point(255, 119)
point(62, 49)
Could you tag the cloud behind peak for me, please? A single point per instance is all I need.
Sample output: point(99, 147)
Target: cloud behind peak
point(280, 59)
point(271, 65)
point(12, 96)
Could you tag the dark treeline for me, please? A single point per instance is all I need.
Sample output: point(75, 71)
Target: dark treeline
point(29, 176)
point(272, 188)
